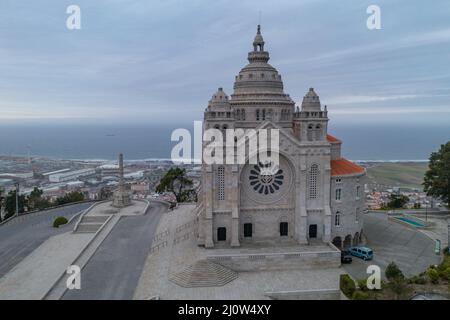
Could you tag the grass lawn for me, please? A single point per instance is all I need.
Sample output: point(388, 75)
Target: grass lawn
point(409, 175)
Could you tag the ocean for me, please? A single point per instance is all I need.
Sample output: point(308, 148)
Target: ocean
point(387, 142)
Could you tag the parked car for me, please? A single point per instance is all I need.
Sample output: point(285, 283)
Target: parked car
point(362, 252)
point(346, 257)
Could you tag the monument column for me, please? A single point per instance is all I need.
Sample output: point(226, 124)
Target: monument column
point(121, 197)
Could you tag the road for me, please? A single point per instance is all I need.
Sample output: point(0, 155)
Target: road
point(410, 249)
point(114, 270)
point(19, 239)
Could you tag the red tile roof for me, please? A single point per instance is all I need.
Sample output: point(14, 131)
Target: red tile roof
point(330, 138)
point(342, 167)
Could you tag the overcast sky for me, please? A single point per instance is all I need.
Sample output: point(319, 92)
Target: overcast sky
point(154, 61)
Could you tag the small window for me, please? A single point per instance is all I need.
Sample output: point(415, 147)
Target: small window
point(337, 219)
point(257, 114)
point(248, 230)
point(338, 194)
point(283, 229)
point(221, 183)
point(358, 191)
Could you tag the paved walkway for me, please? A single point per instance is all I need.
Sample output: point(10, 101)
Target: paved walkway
point(114, 270)
point(19, 238)
point(35, 275)
point(410, 249)
point(38, 273)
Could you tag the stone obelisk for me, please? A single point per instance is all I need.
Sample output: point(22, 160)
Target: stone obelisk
point(121, 196)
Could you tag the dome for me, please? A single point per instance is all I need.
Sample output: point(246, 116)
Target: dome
point(311, 101)
point(258, 80)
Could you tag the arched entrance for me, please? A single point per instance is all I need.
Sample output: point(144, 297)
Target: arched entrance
point(348, 241)
point(337, 241)
point(356, 239)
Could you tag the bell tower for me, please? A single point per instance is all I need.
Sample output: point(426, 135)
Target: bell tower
point(311, 122)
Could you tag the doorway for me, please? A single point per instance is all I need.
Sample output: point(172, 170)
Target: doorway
point(221, 234)
point(313, 231)
point(248, 230)
point(284, 229)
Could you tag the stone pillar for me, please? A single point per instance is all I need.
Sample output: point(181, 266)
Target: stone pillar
point(234, 192)
point(301, 215)
point(208, 225)
point(326, 237)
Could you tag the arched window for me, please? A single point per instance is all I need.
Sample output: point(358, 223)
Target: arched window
point(313, 176)
point(238, 114)
point(257, 114)
point(264, 114)
point(318, 132)
point(310, 132)
point(337, 219)
point(242, 114)
point(220, 179)
point(358, 191)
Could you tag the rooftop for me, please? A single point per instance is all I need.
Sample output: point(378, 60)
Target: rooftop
point(340, 167)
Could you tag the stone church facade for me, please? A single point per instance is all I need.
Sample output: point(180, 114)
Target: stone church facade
point(315, 196)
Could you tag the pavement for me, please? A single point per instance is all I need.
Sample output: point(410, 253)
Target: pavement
point(19, 239)
point(410, 249)
point(113, 271)
point(176, 249)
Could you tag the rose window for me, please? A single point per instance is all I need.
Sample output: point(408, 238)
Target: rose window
point(266, 179)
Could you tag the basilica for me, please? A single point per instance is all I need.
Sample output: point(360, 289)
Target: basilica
point(316, 196)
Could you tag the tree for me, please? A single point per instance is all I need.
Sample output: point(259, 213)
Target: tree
point(393, 272)
point(10, 203)
point(397, 201)
point(35, 200)
point(437, 178)
point(105, 193)
point(396, 279)
point(1, 202)
point(74, 196)
point(175, 181)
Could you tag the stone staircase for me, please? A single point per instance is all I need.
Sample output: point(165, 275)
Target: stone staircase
point(90, 224)
point(203, 274)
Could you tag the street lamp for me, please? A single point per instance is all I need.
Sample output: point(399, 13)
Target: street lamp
point(17, 199)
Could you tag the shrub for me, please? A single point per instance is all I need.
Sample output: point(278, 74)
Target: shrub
point(445, 273)
point(418, 280)
point(362, 284)
point(393, 272)
point(347, 285)
point(59, 221)
point(433, 275)
point(360, 295)
point(446, 252)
